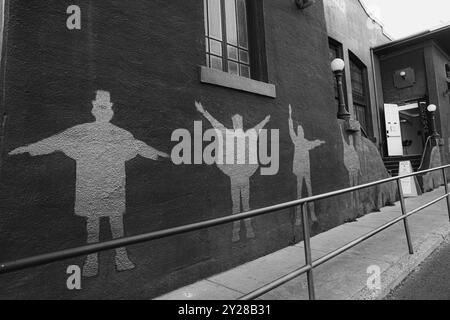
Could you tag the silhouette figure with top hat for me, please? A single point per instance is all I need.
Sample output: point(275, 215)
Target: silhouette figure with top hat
point(100, 150)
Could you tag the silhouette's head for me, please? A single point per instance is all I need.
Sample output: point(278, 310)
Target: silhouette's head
point(300, 132)
point(102, 107)
point(237, 122)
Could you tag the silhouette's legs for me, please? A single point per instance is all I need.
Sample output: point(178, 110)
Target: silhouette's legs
point(355, 183)
point(123, 263)
point(236, 199)
point(245, 194)
point(90, 267)
point(298, 209)
point(353, 176)
point(311, 204)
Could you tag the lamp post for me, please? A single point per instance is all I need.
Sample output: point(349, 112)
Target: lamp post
point(432, 110)
point(338, 66)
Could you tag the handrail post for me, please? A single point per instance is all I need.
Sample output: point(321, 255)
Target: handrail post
point(308, 255)
point(446, 191)
point(405, 220)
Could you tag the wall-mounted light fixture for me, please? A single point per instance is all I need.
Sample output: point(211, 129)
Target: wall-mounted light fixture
point(338, 66)
point(303, 4)
point(432, 110)
point(403, 74)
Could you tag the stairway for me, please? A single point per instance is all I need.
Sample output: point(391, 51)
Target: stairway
point(392, 163)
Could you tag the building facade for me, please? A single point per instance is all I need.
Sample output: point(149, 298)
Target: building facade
point(106, 110)
point(413, 74)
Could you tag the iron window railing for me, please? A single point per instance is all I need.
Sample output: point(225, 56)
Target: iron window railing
point(43, 259)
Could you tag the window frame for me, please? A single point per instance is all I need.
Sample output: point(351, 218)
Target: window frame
point(361, 101)
point(255, 37)
point(240, 49)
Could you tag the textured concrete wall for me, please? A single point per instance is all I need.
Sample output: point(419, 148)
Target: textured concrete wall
point(433, 180)
point(146, 54)
point(349, 24)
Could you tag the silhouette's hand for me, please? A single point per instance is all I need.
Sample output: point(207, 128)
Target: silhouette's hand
point(199, 107)
point(20, 150)
point(267, 119)
point(163, 155)
point(290, 111)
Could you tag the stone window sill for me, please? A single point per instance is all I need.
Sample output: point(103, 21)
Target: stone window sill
point(225, 79)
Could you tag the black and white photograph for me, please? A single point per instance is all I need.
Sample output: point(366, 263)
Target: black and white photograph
point(224, 156)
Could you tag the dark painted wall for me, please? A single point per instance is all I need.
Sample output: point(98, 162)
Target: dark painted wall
point(147, 53)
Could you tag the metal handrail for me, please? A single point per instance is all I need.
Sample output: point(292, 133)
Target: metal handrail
point(43, 259)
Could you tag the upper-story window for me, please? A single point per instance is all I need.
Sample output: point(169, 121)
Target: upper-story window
point(227, 36)
point(360, 94)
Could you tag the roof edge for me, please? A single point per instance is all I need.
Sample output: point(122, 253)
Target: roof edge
point(366, 10)
point(415, 36)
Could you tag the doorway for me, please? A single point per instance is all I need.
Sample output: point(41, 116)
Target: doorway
point(406, 128)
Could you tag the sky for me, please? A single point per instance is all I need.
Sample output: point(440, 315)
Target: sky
point(403, 18)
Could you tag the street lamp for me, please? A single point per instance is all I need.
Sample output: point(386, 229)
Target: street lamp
point(338, 66)
point(432, 110)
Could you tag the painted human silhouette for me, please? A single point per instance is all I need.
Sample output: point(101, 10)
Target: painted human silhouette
point(239, 174)
point(100, 150)
point(301, 165)
point(352, 164)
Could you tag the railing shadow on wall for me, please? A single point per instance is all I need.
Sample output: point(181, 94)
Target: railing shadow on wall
point(43, 259)
point(425, 161)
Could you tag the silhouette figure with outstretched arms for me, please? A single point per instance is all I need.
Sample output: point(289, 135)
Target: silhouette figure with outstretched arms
point(100, 150)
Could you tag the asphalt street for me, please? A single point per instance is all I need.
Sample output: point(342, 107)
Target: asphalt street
point(430, 281)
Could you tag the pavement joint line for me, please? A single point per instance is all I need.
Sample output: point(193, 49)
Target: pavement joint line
point(224, 286)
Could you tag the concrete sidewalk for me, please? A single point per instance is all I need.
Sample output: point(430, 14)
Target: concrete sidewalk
point(345, 276)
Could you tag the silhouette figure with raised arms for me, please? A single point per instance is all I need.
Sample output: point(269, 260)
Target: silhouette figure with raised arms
point(239, 174)
point(301, 165)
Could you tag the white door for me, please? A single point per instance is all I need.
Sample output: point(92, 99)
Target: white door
point(393, 130)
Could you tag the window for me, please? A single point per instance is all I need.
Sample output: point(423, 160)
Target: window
point(335, 51)
point(358, 73)
point(227, 36)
